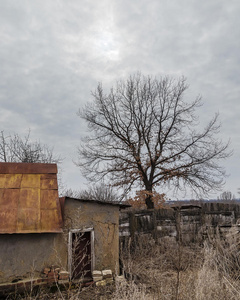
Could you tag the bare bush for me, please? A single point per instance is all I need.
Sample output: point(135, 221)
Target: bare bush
point(14, 148)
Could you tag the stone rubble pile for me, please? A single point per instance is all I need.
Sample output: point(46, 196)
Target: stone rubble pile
point(55, 274)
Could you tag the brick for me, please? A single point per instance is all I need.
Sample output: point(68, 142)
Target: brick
point(63, 281)
point(53, 268)
point(51, 280)
point(53, 275)
point(39, 280)
point(63, 277)
point(64, 273)
point(57, 270)
point(46, 270)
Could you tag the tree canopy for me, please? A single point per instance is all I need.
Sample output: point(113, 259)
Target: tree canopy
point(144, 134)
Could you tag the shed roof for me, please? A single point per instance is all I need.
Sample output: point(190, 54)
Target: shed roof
point(29, 201)
point(120, 205)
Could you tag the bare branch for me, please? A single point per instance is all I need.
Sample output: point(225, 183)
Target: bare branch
point(144, 133)
point(14, 148)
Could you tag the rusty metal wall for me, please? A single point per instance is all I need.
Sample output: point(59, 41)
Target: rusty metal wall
point(29, 201)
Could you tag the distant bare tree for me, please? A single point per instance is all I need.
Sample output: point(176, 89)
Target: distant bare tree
point(144, 133)
point(100, 192)
point(226, 196)
point(14, 148)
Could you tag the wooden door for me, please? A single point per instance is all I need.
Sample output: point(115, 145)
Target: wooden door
point(81, 255)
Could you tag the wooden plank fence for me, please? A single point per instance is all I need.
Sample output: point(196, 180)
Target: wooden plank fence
point(193, 222)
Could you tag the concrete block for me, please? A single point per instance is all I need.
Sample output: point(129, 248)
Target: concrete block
point(107, 274)
point(98, 278)
point(97, 275)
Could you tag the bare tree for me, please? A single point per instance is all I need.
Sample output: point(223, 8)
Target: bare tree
point(100, 192)
point(14, 148)
point(144, 132)
point(226, 196)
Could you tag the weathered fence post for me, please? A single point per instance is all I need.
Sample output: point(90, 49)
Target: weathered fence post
point(154, 218)
point(178, 224)
point(132, 227)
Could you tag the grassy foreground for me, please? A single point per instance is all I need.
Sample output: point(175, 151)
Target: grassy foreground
point(169, 270)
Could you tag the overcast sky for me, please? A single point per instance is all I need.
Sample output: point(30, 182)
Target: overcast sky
point(53, 53)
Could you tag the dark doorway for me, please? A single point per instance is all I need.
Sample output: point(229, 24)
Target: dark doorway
point(81, 255)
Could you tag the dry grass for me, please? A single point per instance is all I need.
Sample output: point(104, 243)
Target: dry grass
point(169, 270)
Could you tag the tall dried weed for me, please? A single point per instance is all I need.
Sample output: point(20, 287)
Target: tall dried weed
point(171, 270)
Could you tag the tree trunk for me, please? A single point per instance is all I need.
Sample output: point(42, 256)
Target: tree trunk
point(149, 200)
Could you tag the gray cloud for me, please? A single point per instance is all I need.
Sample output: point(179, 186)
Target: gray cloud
point(53, 53)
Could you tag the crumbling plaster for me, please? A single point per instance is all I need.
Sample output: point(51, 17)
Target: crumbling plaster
point(25, 255)
point(104, 221)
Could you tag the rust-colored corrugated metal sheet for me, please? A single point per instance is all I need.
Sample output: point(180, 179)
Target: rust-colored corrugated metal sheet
point(29, 201)
point(27, 168)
